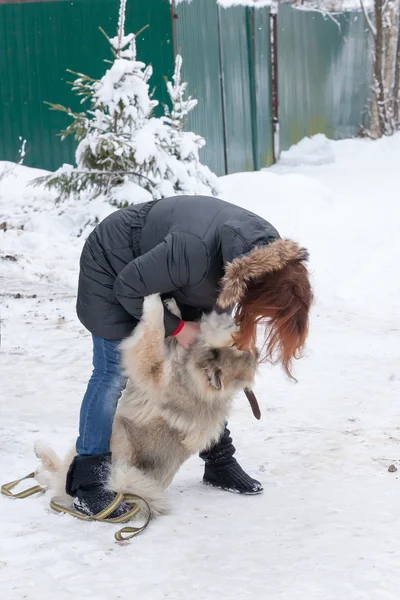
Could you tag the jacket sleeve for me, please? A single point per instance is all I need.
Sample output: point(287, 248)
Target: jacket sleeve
point(179, 261)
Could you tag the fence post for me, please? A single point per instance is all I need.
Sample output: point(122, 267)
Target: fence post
point(174, 16)
point(221, 78)
point(253, 83)
point(274, 79)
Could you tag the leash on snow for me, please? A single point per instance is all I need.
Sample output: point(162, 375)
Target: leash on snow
point(126, 533)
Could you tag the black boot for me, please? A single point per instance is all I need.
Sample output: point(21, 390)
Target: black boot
point(85, 482)
point(223, 471)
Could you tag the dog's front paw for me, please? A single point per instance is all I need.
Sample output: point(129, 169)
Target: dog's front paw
point(172, 306)
point(153, 310)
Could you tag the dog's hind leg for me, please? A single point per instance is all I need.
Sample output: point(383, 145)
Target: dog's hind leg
point(143, 353)
point(130, 480)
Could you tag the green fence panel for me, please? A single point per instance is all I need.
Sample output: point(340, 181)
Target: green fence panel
point(262, 79)
point(196, 29)
point(322, 66)
point(235, 118)
point(40, 40)
point(235, 53)
point(348, 83)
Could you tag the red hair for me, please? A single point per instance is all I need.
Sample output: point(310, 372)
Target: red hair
point(282, 300)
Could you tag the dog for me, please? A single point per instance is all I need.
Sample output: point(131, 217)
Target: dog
point(174, 405)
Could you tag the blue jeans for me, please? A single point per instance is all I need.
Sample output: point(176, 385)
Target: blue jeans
point(101, 398)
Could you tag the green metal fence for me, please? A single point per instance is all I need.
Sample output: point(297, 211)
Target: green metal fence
point(323, 74)
point(226, 63)
point(40, 40)
point(323, 66)
point(236, 89)
point(261, 64)
point(197, 39)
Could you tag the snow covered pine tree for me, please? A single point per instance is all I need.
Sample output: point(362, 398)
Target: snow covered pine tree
point(185, 145)
point(120, 140)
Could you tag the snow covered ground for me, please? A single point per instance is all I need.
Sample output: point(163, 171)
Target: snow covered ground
point(327, 526)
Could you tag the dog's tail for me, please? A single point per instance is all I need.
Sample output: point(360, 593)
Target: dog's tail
point(52, 471)
point(130, 480)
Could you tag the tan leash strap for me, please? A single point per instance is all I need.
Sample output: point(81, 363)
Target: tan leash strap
point(7, 487)
point(251, 397)
point(127, 533)
point(102, 517)
point(122, 535)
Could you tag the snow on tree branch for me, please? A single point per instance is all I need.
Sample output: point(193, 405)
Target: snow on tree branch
point(121, 26)
point(120, 139)
point(368, 20)
point(176, 91)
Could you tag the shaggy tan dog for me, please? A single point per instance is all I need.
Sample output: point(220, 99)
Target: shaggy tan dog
point(174, 405)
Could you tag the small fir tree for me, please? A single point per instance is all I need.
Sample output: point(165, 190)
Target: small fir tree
point(121, 140)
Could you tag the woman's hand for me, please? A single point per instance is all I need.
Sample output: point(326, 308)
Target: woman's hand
point(188, 333)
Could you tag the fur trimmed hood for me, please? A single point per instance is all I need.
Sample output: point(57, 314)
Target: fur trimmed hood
point(258, 262)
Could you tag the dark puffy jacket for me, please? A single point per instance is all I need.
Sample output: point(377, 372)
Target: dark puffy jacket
point(175, 246)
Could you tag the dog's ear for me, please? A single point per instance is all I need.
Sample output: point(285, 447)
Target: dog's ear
point(214, 377)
